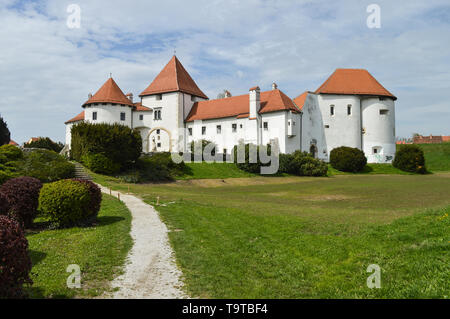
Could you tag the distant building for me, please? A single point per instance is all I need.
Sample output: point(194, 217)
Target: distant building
point(13, 143)
point(430, 139)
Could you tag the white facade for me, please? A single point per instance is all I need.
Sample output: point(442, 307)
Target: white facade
point(324, 121)
point(363, 122)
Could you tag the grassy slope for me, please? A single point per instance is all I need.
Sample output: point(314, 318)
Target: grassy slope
point(291, 237)
point(437, 156)
point(213, 170)
point(99, 251)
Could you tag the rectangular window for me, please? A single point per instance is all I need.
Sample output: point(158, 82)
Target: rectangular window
point(331, 110)
point(157, 114)
point(375, 150)
point(349, 109)
point(192, 98)
point(158, 97)
point(219, 129)
point(224, 150)
point(141, 117)
point(122, 116)
point(190, 131)
point(159, 144)
point(384, 112)
point(327, 126)
point(240, 125)
point(234, 128)
point(94, 116)
point(203, 130)
point(266, 126)
point(158, 131)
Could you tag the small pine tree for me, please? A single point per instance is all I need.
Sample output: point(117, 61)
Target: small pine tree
point(5, 135)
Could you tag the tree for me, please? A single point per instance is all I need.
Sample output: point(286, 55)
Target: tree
point(223, 94)
point(47, 143)
point(5, 135)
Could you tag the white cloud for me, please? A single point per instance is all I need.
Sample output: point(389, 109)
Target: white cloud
point(47, 69)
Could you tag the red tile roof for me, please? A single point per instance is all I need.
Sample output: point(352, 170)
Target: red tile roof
point(238, 106)
point(79, 117)
point(11, 142)
point(173, 78)
point(140, 108)
point(354, 82)
point(300, 100)
point(109, 93)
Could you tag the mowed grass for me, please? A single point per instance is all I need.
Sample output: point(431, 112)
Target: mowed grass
point(100, 252)
point(437, 156)
point(213, 170)
point(297, 237)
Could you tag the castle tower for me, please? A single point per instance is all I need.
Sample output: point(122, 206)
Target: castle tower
point(171, 95)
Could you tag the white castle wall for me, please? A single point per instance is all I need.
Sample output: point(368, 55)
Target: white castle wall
point(312, 127)
point(379, 129)
point(108, 113)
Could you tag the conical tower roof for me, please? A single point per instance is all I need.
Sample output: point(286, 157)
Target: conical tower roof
point(109, 93)
point(173, 78)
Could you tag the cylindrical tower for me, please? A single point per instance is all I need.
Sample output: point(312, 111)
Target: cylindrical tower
point(378, 128)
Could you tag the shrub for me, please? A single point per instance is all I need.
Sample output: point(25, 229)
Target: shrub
point(45, 143)
point(4, 204)
point(410, 158)
point(6, 175)
point(5, 135)
point(119, 143)
point(99, 163)
point(47, 166)
point(246, 165)
point(65, 203)
point(95, 196)
point(22, 194)
point(348, 159)
point(302, 164)
point(15, 262)
point(158, 167)
point(10, 153)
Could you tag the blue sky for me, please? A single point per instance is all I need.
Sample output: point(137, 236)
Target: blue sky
point(47, 69)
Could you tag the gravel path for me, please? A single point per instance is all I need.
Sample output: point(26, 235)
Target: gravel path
point(151, 271)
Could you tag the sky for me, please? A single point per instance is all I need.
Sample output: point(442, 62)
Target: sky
point(47, 69)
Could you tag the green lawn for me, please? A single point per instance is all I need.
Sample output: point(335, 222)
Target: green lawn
point(299, 237)
point(213, 170)
point(437, 156)
point(100, 252)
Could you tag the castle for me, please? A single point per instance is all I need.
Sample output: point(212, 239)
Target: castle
point(351, 108)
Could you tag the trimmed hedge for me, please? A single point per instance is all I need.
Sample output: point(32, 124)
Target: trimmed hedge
point(15, 262)
point(303, 164)
point(10, 153)
point(99, 163)
point(119, 143)
point(65, 203)
point(23, 195)
point(95, 197)
point(348, 159)
point(410, 158)
point(10, 157)
point(47, 166)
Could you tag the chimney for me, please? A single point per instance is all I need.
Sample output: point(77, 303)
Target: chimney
point(130, 97)
point(227, 94)
point(89, 96)
point(255, 102)
point(274, 86)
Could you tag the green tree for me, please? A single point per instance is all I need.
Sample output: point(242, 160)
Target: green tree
point(46, 143)
point(5, 135)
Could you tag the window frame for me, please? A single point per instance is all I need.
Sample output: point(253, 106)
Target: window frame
point(94, 116)
point(219, 129)
point(233, 127)
point(203, 130)
point(123, 116)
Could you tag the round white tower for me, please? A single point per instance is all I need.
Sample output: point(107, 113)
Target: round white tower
point(378, 128)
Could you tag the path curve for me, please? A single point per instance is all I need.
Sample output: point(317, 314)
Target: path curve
point(151, 271)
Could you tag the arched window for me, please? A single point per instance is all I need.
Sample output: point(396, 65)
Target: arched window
point(313, 150)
